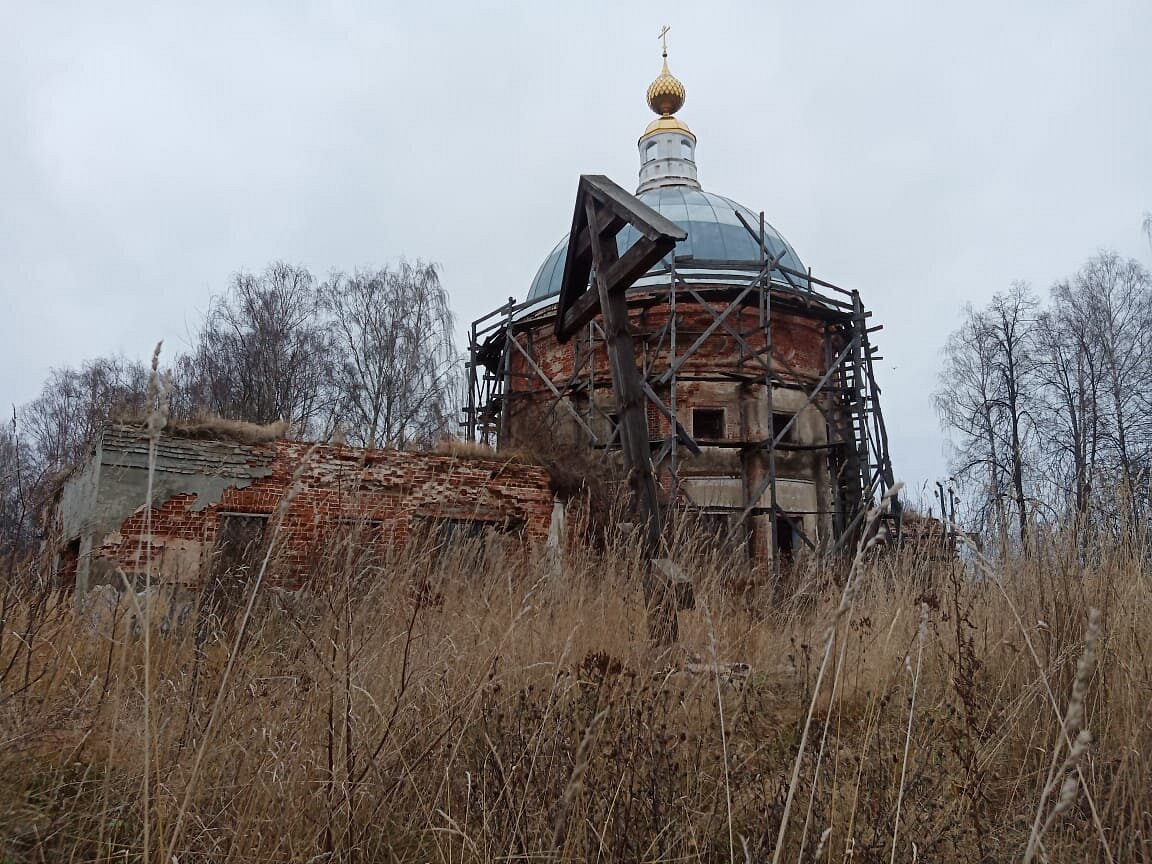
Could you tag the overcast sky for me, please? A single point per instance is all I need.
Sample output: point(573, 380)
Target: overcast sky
point(927, 154)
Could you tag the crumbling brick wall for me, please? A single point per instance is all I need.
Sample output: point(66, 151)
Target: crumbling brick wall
point(308, 494)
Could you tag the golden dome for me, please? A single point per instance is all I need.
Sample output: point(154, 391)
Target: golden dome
point(668, 124)
point(666, 93)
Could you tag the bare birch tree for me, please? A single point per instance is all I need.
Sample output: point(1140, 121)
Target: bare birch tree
point(987, 397)
point(262, 353)
point(56, 431)
point(1055, 406)
point(1069, 371)
point(1112, 302)
point(396, 364)
point(74, 405)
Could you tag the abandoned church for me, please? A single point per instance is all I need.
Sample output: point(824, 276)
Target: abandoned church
point(754, 404)
point(761, 407)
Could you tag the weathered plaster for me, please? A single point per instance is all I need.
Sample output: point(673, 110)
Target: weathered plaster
point(74, 510)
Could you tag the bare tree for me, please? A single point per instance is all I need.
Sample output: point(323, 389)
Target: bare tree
point(1111, 299)
point(74, 405)
point(396, 365)
point(965, 404)
point(1055, 406)
point(1069, 371)
point(263, 353)
point(374, 350)
point(18, 481)
point(53, 433)
point(987, 397)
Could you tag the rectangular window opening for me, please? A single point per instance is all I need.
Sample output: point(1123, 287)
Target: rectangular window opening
point(462, 539)
point(614, 439)
point(708, 424)
point(237, 554)
point(716, 527)
point(362, 532)
point(780, 419)
point(785, 538)
point(457, 530)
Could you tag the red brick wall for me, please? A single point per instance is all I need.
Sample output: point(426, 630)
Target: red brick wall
point(798, 355)
point(321, 489)
point(796, 338)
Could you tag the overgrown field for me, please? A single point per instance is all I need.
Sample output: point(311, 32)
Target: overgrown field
point(473, 706)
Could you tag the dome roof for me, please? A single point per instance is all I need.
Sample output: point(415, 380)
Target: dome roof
point(715, 237)
point(668, 124)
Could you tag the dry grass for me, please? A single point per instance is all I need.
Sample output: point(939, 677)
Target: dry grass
point(207, 427)
point(461, 448)
point(470, 707)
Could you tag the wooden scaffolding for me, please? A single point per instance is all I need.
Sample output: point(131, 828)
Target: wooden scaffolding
point(846, 394)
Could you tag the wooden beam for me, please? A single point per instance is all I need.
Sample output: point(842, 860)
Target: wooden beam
point(637, 261)
point(586, 307)
point(555, 391)
point(615, 209)
point(609, 223)
point(578, 261)
point(680, 432)
point(624, 271)
point(718, 320)
point(602, 209)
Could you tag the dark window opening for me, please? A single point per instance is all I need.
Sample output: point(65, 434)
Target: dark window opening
point(708, 424)
point(358, 526)
point(714, 531)
point(455, 530)
point(465, 540)
point(238, 553)
point(614, 439)
point(785, 539)
point(715, 528)
point(780, 419)
point(239, 539)
point(69, 564)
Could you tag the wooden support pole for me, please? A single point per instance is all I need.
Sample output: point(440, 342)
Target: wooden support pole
point(659, 599)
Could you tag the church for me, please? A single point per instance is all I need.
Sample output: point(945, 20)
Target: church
point(762, 408)
point(761, 416)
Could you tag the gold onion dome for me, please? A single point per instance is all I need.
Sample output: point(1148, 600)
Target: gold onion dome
point(666, 93)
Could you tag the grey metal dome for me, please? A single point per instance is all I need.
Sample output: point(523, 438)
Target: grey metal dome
point(715, 239)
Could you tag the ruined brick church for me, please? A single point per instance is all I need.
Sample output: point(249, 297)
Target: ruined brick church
point(762, 411)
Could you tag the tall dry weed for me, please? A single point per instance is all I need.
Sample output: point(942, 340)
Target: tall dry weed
point(474, 704)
